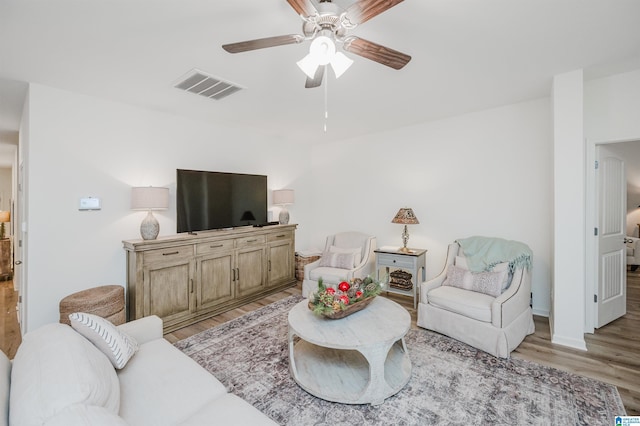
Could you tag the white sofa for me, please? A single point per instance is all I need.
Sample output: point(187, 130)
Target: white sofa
point(496, 324)
point(58, 377)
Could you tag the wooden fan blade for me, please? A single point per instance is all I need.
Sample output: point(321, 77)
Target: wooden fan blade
point(375, 52)
point(363, 10)
point(316, 81)
point(262, 43)
point(303, 7)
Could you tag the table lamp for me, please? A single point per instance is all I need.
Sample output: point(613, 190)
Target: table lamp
point(405, 216)
point(5, 216)
point(248, 216)
point(283, 197)
point(149, 198)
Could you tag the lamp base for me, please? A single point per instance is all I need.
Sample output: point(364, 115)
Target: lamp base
point(283, 217)
point(150, 228)
point(405, 250)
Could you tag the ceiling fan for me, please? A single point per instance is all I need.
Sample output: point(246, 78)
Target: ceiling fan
point(326, 23)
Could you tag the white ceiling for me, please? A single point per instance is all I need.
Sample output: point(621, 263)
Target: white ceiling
point(468, 55)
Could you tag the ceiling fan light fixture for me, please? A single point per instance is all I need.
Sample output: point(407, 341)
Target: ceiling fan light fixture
point(340, 63)
point(322, 52)
point(322, 49)
point(308, 65)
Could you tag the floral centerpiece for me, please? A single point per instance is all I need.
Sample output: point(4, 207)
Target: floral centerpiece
point(348, 298)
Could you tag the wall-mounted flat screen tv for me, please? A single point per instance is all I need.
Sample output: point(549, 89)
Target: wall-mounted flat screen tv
point(214, 200)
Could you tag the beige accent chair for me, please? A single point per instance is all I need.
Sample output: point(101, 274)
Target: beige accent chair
point(339, 246)
point(633, 252)
point(496, 325)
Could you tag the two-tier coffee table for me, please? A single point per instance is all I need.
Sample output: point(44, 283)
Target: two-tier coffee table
point(359, 359)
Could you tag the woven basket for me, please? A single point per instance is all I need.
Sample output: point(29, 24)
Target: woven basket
point(105, 301)
point(350, 309)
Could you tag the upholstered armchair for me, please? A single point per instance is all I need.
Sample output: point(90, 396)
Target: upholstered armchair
point(633, 252)
point(346, 255)
point(483, 302)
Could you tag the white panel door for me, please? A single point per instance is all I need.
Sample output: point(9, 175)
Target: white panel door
point(612, 201)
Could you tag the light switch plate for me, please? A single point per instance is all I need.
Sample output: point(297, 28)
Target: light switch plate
point(89, 203)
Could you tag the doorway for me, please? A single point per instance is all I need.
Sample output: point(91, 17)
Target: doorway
point(629, 152)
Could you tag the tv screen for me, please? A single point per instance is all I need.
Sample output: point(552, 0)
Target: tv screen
point(214, 200)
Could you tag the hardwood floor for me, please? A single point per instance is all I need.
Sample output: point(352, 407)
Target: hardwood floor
point(10, 336)
point(613, 354)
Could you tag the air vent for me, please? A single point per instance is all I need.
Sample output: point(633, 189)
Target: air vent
point(200, 83)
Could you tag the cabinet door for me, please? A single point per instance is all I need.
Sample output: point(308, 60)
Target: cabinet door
point(280, 266)
point(168, 289)
point(215, 280)
point(250, 275)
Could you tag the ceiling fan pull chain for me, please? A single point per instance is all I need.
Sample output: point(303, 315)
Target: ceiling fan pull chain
point(326, 100)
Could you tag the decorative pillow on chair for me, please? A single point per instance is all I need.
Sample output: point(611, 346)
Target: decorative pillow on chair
point(461, 262)
point(119, 347)
point(357, 254)
point(488, 282)
point(482, 282)
point(337, 260)
point(458, 277)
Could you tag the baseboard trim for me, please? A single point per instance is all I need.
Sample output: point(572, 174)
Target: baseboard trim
point(569, 342)
point(541, 313)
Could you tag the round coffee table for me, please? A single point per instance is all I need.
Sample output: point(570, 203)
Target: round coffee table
point(359, 359)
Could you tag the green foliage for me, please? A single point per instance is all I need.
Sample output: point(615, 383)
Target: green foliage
point(324, 302)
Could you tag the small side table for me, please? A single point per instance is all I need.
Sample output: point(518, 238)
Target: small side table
point(391, 258)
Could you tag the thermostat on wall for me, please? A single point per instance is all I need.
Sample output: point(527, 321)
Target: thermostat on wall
point(89, 203)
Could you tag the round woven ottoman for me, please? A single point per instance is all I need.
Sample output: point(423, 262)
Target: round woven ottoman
point(106, 301)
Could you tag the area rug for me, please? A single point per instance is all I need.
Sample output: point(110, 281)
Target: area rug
point(451, 383)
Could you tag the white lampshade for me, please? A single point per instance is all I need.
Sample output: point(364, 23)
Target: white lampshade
point(308, 65)
point(340, 63)
point(149, 198)
point(283, 196)
point(322, 52)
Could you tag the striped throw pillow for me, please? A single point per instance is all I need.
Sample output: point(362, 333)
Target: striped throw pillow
point(116, 345)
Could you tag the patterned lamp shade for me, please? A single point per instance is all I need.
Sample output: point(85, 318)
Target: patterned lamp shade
point(405, 216)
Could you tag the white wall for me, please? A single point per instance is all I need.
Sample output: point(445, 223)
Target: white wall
point(83, 146)
point(612, 108)
point(567, 316)
point(5, 188)
point(487, 173)
point(612, 114)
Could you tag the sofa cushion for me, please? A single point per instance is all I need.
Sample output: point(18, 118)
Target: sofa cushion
point(228, 410)
point(468, 303)
point(85, 415)
point(5, 387)
point(54, 368)
point(114, 343)
point(162, 386)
